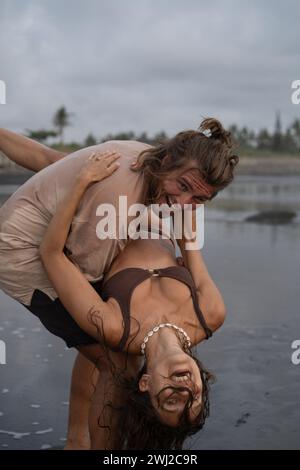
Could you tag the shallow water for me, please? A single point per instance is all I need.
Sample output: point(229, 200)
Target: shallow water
point(255, 402)
point(249, 195)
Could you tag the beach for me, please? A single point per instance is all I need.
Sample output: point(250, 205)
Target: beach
point(255, 401)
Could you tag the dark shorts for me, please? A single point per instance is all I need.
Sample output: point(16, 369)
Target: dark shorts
point(57, 320)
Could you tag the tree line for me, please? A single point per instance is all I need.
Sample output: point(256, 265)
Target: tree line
point(279, 140)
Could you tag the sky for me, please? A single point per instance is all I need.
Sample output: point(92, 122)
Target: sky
point(148, 65)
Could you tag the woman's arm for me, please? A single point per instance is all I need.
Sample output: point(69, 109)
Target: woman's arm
point(27, 152)
point(74, 291)
point(209, 296)
point(210, 299)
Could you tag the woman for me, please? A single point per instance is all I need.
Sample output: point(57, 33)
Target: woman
point(147, 305)
point(189, 168)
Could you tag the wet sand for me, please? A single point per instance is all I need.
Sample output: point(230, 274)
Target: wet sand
point(34, 382)
point(255, 402)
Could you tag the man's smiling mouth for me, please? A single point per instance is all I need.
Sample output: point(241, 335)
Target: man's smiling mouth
point(170, 200)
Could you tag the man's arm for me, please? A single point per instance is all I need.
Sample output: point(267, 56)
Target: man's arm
point(27, 152)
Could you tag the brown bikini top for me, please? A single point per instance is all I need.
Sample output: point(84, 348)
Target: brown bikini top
point(121, 285)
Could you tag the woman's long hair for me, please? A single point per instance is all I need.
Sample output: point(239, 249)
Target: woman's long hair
point(138, 424)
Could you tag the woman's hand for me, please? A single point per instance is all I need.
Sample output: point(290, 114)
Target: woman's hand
point(98, 167)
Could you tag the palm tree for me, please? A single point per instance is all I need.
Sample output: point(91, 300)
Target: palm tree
point(277, 136)
point(61, 120)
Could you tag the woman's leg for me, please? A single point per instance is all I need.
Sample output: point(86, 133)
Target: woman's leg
point(27, 152)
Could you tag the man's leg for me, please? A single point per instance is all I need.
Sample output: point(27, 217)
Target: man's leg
point(103, 420)
point(84, 380)
point(101, 390)
point(90, 390)
point(108, 396)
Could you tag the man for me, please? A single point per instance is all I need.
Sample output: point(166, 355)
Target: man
point(189, 169)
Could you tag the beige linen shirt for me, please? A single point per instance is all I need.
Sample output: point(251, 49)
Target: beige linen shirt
point(26, 215)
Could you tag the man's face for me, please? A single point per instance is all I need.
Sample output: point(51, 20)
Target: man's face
point(185, 186)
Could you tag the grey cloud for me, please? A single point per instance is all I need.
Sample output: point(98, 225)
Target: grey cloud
point(147, 65)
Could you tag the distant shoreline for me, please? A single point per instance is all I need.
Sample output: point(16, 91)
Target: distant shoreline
point(283, 166)
point(252, 166)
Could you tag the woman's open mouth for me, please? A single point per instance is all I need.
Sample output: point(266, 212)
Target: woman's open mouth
point(181, 376)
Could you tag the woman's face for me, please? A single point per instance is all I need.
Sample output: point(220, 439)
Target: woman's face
point(178, 370)
point(185, 186)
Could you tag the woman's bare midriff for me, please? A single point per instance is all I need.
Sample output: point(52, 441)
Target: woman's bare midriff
point(145, 254)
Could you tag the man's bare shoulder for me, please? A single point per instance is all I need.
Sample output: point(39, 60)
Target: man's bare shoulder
point(124, 144)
